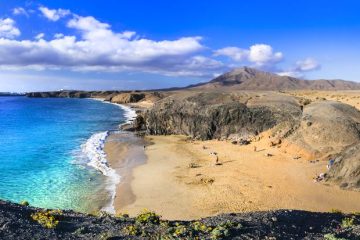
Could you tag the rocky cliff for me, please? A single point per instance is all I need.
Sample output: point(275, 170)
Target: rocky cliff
point(17, 222)
point(209, 115)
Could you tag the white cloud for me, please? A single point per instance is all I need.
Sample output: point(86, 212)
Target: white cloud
point(8, 28)
point(235, 53)
point(96, 47)
point(307, 64)
point(54, 14)
point(290, 73)
point(40, 36)
point(262, 54)
point(99, 48)
point(20, 11)
point(259, 54)
point(301, 66)
point(58, 35)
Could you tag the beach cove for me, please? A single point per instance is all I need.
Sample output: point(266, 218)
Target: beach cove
point(246, 181)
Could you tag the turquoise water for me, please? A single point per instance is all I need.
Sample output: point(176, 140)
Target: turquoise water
point(41, 159)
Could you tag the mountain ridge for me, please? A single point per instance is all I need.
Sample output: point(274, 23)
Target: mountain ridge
point(246, 78)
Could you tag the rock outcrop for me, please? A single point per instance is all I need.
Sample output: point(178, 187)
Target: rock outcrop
point(327, 128)
point(16, 223)
point(346, 168)
point(123, 98)
point(212, 115)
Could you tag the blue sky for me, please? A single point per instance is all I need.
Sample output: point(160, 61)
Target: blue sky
point(48, 45)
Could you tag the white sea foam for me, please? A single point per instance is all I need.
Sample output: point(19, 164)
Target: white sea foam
point(130, 114)
point(94, 150)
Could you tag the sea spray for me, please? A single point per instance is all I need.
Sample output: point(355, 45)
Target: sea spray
point(94, 150)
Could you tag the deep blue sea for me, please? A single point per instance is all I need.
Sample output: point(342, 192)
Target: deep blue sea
point(41, 158)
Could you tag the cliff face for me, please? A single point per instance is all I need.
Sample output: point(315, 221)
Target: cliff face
point(110, 96)
point(213, 115)
point(60, 94)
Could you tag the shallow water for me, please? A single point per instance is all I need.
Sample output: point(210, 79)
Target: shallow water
point(41, 159)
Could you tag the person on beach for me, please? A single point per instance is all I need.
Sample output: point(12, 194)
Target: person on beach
point(216, 158)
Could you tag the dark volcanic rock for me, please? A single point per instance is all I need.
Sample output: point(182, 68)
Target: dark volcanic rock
point(16, 223)
point(346, 169)
point(211, 115)
point(60, 94)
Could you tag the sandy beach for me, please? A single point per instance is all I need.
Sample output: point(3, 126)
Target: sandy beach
point(124, 152)
point(245, 180)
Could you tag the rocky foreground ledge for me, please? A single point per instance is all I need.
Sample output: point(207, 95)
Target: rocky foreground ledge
point(25, 222)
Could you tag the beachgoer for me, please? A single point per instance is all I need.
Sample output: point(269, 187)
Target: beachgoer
point(254, 148)
point(331, 162)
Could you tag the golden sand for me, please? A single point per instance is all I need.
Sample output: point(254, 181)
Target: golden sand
point(245, 181)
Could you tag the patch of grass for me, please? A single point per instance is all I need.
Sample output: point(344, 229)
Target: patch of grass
point(47, 218)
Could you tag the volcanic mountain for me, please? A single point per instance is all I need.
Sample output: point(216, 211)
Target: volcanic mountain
point(246, 78)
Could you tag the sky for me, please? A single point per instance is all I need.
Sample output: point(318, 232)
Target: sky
point(110, 44)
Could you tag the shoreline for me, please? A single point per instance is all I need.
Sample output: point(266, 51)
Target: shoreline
point(95, 150)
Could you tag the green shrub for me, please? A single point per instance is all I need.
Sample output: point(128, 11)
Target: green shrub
point(331, 236)
point(180, 231)
point(122, 216)
point(47, 218)
point(334, 210)
point(347, 222)
point(200, 227)
point(132, 230)
point(24, 203)
point(223, 229)
point(147, 217)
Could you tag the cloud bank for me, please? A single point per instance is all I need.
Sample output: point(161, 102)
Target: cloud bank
point(94, 46)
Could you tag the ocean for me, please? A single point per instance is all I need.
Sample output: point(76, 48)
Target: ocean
point(51, 152)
